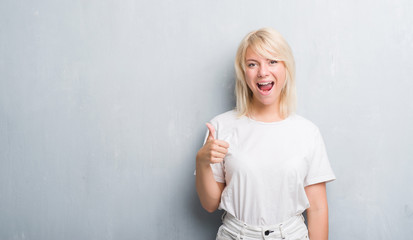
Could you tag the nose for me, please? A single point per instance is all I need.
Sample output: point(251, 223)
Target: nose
point(263, 71)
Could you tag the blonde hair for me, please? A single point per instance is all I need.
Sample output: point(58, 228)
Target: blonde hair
point(267, 43)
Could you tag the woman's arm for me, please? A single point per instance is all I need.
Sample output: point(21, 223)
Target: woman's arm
point(209, 190)
point(317, 213)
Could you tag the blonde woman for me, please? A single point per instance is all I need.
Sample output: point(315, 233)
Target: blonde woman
point(261, 163)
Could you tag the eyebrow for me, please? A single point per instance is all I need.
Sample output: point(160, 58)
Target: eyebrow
point(251, 60)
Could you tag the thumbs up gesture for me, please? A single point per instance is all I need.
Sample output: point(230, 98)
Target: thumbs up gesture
point(211, 129)
point(214, 150)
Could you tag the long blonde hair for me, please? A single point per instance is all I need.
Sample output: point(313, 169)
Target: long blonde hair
point(270, 44)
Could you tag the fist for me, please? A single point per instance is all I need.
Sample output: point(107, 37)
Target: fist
point(214, 150)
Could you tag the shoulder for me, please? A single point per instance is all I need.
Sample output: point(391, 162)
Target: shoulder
point(307, 131)
point(303, 124)
point(225, 123)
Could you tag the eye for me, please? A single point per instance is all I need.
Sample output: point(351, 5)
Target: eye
point(251, 65)
point(273, 61)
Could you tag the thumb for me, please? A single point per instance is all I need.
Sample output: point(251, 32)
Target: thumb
point(211, 131)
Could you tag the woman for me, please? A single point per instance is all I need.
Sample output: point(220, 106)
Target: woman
point(261, 163)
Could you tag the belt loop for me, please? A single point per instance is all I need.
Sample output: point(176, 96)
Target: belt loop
point(281, 231)
point(241, 233)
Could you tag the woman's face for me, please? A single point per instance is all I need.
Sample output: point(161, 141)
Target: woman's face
point(265, 77)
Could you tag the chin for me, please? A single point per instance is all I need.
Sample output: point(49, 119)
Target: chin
point(267, 102)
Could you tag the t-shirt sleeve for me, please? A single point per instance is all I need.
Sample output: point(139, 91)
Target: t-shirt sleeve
point(217, 168)
point(218, 171)
point(319, 169)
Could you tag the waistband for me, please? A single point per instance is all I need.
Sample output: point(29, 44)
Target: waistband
point(280, 230)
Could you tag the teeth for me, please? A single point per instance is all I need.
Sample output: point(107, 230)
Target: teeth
point(263, 84)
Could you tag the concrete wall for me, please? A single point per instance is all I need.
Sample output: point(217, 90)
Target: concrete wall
point(103, 105)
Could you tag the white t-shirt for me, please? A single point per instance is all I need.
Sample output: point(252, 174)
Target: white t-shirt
point(267, 167)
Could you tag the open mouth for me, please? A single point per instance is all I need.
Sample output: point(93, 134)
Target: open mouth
point(265, 87)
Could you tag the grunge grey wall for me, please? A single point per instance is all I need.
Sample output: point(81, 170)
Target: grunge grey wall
point(103, 105)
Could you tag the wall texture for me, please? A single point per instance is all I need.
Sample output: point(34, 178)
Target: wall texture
point(103, 105)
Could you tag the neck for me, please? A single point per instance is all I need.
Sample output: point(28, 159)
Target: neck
point(265, 113)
